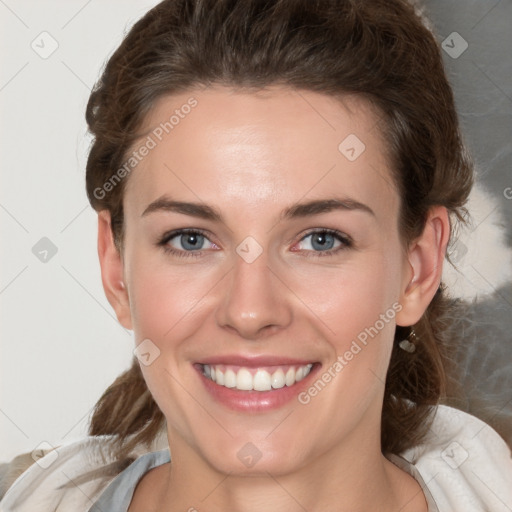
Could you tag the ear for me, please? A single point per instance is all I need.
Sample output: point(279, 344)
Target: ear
point(424, 267)
point(112, 270)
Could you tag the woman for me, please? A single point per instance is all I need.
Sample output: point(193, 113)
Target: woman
point(276, 184)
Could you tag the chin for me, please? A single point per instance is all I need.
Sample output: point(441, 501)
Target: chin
point(249, 461)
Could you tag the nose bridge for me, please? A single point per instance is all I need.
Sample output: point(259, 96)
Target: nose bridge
point(254, 298)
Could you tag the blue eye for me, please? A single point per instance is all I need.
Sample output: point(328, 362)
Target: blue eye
point(321, 241)
point(185, 242)
point(191, 241)
point(325, 242)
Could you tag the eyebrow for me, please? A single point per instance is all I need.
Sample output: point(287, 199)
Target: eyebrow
point(306, 209)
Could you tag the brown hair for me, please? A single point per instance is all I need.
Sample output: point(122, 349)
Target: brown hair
point(380, 50)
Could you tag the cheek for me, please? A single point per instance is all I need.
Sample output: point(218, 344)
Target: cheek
point(350, 297)
point(355, 307)
point(164, 299)
point(165, 302)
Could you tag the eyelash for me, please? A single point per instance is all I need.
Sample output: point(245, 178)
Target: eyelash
point(346, 242)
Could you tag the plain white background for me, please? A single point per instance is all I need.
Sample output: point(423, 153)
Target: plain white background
point(61, 343)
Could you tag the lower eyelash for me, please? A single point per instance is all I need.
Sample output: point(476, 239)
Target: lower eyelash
point(181, 254)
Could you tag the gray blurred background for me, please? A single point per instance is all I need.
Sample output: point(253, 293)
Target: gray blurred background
point(481, 76)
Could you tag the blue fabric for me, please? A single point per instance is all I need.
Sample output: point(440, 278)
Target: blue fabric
point(119, 493)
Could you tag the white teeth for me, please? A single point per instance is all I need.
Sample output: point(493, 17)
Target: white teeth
point(262, 380)
point(244, 380)
point(230, 379)
point(278, 379)
point(290, 377)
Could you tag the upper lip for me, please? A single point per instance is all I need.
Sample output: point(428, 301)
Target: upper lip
point(254, 361)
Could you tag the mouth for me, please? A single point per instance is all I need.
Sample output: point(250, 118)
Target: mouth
point(255, 385)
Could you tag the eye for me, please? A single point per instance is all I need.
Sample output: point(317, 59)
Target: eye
point(184, 242)
point(191, 242)
point(325, 242)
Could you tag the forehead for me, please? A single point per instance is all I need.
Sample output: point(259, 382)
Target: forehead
point(265, 149)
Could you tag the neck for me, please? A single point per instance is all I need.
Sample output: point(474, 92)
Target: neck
point(354, 477)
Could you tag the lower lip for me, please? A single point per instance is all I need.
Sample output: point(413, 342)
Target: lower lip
point(255, 401)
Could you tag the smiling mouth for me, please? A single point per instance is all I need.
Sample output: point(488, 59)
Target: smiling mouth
point(255, 379)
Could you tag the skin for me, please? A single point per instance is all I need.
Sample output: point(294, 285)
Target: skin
point(251, 155)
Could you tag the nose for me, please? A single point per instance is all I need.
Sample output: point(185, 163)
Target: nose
point(255, 301)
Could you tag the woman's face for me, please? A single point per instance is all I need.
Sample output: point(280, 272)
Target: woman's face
point(292, 259)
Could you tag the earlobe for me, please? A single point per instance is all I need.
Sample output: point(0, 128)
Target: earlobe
point(425, 265)
point(112, 267)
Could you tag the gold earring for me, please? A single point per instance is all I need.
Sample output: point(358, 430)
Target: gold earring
point(409, 344)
